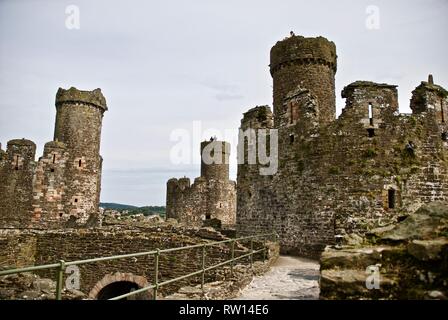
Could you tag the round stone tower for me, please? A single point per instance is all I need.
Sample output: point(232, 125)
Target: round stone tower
point(78, 125)
point(310, 63)
point(215, 160)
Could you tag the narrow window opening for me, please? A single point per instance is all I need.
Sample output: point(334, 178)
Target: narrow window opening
point(371, 132)
point(17, 163)
point(54, 158)
point(80, 163)
point(76, 199)
point(207, 216)
point(370, 114)
point(291, 138)
point(60, 214)
point(391, 198)
point(291, 119)
point(441, 111)
point(52, 169)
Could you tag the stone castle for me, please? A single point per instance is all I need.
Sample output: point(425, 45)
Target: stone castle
point(212, 196)
point(62, 188)
point(339, 177)
point(336, 176)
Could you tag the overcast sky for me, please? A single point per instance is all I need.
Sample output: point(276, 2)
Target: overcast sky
point(164, 64)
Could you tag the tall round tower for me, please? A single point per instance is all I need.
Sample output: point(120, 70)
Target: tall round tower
point(310, 63)
point(78, 125)
point(215, 160)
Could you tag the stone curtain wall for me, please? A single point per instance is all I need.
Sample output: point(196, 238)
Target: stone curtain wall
point(62, 188)
point(344, 176)
point(24, 248)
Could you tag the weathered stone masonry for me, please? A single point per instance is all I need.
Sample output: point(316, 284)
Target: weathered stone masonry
point(62, 188)
point(211, 196)
point(345, 175)
point(23, 248)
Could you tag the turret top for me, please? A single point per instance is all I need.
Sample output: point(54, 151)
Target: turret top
point(366, 85)
point(429, 85)
point(317, 49)
point(21, 142)
point(94, 97)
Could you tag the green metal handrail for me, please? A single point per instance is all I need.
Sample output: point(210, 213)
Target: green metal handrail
point(62, 265)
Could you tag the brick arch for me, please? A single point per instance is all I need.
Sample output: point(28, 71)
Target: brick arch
point(117, 277)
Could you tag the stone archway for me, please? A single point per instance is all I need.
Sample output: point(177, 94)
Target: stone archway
point(119, 283)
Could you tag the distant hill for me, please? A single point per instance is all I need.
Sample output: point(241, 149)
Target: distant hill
point(146, 210)
point(116, 206)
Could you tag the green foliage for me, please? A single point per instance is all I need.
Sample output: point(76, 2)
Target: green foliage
point(116, 206)
point(262, 115)
point(333, 170)
point(370, 153)
point(412, 121)
point(146, 210)
point(414, 169)
point(149, 210)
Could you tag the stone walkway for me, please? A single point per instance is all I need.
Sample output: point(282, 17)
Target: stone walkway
point(290, 278)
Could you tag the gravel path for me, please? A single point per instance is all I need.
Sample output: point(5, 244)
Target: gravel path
point(289, 278)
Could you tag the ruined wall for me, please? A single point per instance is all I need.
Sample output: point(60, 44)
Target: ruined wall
point(16, 178)
point(348, 175)
point(43, 247)
point(62, 188)
point(411, 257)
point(211, 196)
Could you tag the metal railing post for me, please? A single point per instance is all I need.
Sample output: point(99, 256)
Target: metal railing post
point(156, 274)
point(203, 270)
point(60, 279)
point(233, 256)
point(251, 251)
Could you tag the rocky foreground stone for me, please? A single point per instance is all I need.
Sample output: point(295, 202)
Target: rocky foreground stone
point(406, 260)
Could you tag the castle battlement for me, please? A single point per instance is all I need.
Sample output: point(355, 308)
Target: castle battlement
point(74, 95)
point(344, 176)
point(211, 196)
point(301, 50)
point(62, 188)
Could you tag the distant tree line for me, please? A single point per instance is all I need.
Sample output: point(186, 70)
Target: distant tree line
point(131, 210)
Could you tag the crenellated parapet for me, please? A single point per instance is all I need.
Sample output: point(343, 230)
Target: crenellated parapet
point(301, 50)
point(73, 95)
